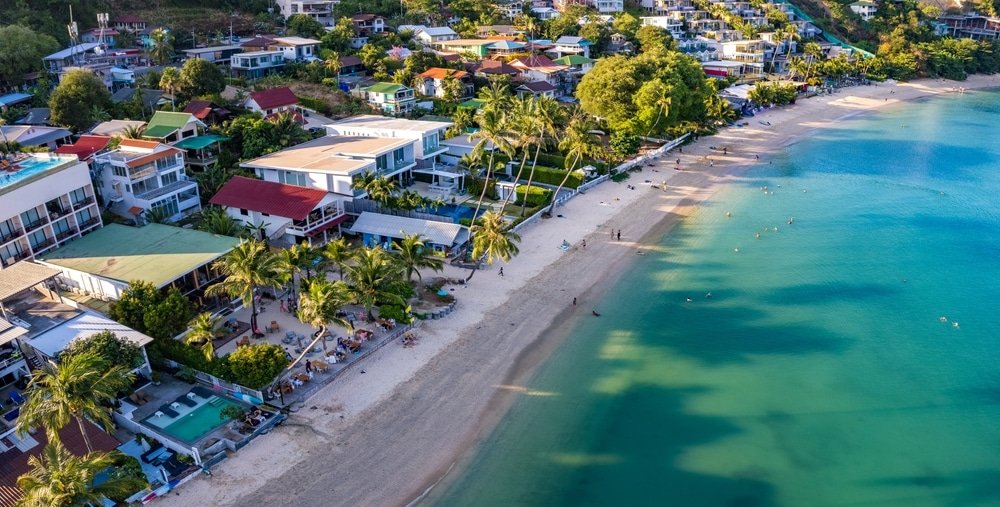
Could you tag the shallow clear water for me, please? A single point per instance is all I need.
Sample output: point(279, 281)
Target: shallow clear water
point(819, 372)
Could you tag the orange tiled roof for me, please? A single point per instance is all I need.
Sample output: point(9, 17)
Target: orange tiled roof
point(441, 73)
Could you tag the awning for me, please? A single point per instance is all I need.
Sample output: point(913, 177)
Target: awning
point(199, 142)
point(9, 332)
point(327, 226)
point(438, 233)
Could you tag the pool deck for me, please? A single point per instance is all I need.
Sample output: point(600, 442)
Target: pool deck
point(32, 169)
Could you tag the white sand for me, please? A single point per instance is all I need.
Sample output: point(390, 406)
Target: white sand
point(396, 423)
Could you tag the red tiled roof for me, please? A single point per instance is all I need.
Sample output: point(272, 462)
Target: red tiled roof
point(350, 61)
point(258, 42)
point(451, 57)
point(495, 67)
point(441, 73)
point(14, 463)
point(278, 199)
point(538, 86)
point(534, 61)
point(85, 147)
point(202, 108)
point(138, 143)
point(274, 97)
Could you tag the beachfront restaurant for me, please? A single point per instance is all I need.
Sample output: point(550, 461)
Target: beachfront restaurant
point(378, 229)
point(102, 263)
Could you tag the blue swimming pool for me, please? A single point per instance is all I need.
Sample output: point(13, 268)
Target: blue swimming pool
point(30, 167)
point(455, 211)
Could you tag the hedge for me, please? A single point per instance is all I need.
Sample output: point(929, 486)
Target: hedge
point(536, 196)
point(551, 176)
point(320, 106)
point(550, 159)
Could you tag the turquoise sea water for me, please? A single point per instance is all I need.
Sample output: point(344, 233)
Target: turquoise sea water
point(819, 372)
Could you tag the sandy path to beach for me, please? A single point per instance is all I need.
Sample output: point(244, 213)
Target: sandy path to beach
point(390, 427)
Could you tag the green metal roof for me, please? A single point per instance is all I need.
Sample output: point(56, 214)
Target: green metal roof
point(472, 104)
point(384, 88)
point(574, 60)
point(155, 253)
point(159, 131)
point(176, 120)
point(199, 142)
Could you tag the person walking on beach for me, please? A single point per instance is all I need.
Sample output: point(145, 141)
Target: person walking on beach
point(584, 244)
point(574, 301)
point(619, 234)
point(501, 272)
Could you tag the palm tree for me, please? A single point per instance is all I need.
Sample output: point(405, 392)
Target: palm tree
point(523, 134)
point(133, 132)
point(76, 388)
point(495, 98)
point(319, 303)
point(171, 83)
point(374, 278)
point(296, 261)
point(409, 200)
point(577, 142)
point(492, 131)
point(412, 253)
point(662, 103)
point(158, 215)
point(492, 240)
point(163, 46)
point(332, 65)
point(216, 221)
point(548, 114)
point(287, 131)
point(246, 267)
point(338, 253)
point(58, 477)
point(202, 333)
point(379, 188)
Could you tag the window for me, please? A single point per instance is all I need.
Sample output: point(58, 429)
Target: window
point(398, 156)
point(168, 178)
point(431, 143)
point(244, 212)
point(292, 178)
point(60, 226)
point(30, 218)
point(37, 238)
point(382, 163)
point(10, 251)
point(78, 195)
point(119, 171)
point(7, 230)
point(84, 216)
point(169, 204)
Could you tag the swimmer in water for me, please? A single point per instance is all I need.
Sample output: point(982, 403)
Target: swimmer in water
point(708, 295)
point(955, 325)
point(943, 319)
point(791, 220)
point(737, 250)
point(729, 214)
point(689, 300)
point(756, 235)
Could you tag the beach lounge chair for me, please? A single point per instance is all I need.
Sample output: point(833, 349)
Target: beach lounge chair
point(167, 411)
point(184, 400)
point(202, 392)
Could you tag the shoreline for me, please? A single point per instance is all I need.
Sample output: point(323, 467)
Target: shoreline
point(417, 416)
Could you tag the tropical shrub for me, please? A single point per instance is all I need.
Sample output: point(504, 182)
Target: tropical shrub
point(257, 365)
point(536, 196)
point(551, 176)
point(108, 346)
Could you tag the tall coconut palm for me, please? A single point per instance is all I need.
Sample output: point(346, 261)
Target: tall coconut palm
point(492, 240)
point(319, 303)
point(332, 65)
point(492, 131)
point(60, 478)
point(523, 134)
point(294, 261)
point(413, 254)
point(163, 46)
point(495, 98)
point(245, 268)
point(171, 83)
point(202, 333)
point(374, 278)
point(548, 115)
point(76, 388)
point(338, 253)
point(577, 142)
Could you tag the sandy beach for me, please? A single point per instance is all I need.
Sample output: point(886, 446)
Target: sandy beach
point(398, 422)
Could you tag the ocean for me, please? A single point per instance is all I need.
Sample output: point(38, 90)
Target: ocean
point(849, 357)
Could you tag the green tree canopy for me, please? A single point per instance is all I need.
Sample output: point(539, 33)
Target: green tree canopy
point(651, 38)
point(137, 299)
point(78, 97)
point(60, 478)
point(632, 93)
point(21, 51)
point(257, 365)
point(109, 346)
point(304, 25)
point(339, 39)
point(201, 77)
point(169, 317)
point(627, 25)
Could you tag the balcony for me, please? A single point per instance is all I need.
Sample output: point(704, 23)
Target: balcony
point(82, 203)
point(90, 222)
point(11, 235)
point(170, 188)
point(20, 256)
point(36, 224)
point(66, 234)
point(314, 223)
point(43, 245)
